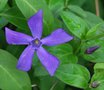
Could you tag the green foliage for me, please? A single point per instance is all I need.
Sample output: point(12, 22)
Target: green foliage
point(96, 56)
point(94, 37)
point(77, 10)
point(96, 32)
point(64, 53)
point(77, 2)
point(74, 23)
point(10, 77)
point(15, 18)
point(98, 78)
point(73, 74)
point(49, 83)
point(92, 19)
point(98, 67)
point(77, 18)
point(29, 7)
point(56, 6)
point(2, 4)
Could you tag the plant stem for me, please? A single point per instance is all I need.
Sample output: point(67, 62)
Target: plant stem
point(34, 85)
point(97, 7)
point(53, 86)
point(66, 4)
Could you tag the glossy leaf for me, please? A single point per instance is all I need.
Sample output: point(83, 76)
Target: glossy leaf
point(74, 23)
point(64, 53)
point(91, 19)
point(56, 6)
point(30, 7)
point(99, 67)
point(2, 4)
point(97, 81)
point(74, 75)
point(77, 10)
point(9, 75)
point(97, 55)
point(15, 18)
point(96, 32)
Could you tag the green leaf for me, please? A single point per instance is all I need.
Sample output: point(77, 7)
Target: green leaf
point(15, 17)
point(74, 75)
point(2, 4)
point(98, 67)
point(96, 56)
point(97, 81)
point(64, 53)
point(30, 7)
point(56, 6)
point(77, 10)
point(91, 19)
point(9, 75)
point(96, 32)
point(3, 22)
point(40, 70)
point(77, 2)
point(74, 23)
point(50, 83)
point(97, 78)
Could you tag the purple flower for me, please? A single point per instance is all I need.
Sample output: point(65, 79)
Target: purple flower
point(90, 50)
point(35, 43)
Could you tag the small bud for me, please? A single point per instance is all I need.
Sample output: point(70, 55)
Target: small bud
point(90, 50)
point(95, 84)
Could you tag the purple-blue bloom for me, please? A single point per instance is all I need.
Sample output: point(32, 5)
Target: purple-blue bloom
point(35, 43)
point(90, 50)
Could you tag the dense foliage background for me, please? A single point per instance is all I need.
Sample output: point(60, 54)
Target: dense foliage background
point(83, 19)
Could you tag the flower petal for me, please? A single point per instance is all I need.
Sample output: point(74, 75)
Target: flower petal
point(35, 24)
point(25, 60)
point(59, 36)
point(49, 61)
point(14, 37)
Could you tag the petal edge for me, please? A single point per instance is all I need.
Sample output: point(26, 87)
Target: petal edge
point(59, 36)
point(49, 61)
point(35, 24)
point(25, 60)
point(17, 38)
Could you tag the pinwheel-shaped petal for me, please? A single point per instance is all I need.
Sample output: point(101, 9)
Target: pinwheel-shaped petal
point(34, 43)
